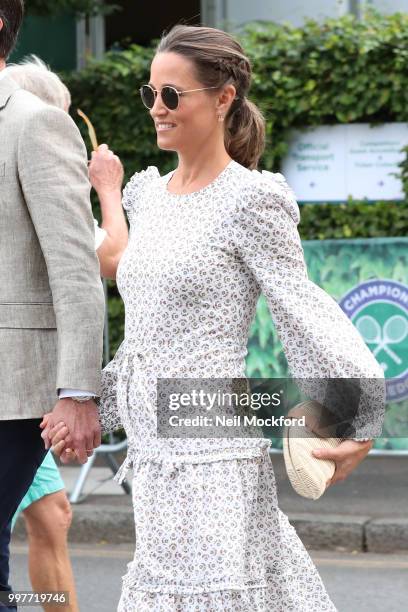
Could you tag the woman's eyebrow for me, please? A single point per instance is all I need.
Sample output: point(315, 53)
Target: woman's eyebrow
point(168, 85)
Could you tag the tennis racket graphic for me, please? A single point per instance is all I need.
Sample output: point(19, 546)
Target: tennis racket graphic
point(394, 331)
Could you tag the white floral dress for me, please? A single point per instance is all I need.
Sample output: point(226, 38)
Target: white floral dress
point(209, 534)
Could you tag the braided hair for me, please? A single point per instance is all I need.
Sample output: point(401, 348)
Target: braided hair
point(219, 60)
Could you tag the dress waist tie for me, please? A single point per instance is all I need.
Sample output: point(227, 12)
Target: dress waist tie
point(133, 371)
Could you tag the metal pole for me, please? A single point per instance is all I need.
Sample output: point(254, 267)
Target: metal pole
point(97, 36)
point(357, 8)
point(214, 13)
point(342, 7)
point(224, 11)
point(81, 43)
point(209, 13)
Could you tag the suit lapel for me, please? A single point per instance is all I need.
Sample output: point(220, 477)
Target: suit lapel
point(7, 88)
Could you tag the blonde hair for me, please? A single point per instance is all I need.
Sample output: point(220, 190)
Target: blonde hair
point(220, 60)
point(33, 75)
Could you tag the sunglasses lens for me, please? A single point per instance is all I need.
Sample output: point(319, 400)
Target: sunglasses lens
point(147, 95)
point(170, 97)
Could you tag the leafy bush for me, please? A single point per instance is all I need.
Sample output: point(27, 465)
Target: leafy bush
point(353, 220)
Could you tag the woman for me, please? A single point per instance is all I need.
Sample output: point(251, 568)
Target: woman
point(45, 507)
point(205, 239)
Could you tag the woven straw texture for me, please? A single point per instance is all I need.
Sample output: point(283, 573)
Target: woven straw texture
point(307, 474)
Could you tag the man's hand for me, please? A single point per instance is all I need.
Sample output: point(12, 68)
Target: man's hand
point(83, 428)
point(57, 436)
point(347, 456)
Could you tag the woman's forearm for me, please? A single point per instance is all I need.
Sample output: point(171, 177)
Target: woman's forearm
point(114, 223)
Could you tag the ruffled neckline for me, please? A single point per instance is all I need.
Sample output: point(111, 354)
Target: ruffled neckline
point(167, 177)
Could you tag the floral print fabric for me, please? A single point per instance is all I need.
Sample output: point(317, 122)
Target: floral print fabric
point(209, 533)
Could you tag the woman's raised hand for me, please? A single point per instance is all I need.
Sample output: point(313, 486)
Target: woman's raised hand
point(105, 171)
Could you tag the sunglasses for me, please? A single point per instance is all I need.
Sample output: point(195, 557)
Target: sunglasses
point(170, 95)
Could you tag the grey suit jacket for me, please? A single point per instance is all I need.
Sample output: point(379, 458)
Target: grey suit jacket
point(51, 296)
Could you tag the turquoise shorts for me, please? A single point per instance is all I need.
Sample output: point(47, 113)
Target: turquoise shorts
point(47, 480)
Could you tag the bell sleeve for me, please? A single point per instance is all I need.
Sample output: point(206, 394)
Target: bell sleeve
point(319, 341)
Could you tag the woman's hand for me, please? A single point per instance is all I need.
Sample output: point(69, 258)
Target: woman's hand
point(347, 456)
point(44, 422)
point(57, 435)
point(105, 171)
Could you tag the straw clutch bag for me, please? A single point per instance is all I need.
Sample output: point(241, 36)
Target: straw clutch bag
point(307, 474)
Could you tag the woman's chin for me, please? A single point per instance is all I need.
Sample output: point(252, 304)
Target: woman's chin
point(165, 144)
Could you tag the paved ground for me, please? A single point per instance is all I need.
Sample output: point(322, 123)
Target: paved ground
point(361, 582)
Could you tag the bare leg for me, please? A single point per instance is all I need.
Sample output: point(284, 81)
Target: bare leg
point(48, 521)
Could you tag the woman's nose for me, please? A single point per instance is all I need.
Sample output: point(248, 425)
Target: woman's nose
point(158, 106)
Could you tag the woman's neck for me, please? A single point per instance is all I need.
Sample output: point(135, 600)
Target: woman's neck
point(198, 168)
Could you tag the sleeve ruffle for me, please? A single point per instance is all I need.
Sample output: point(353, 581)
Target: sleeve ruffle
point(109, 415)
point(272, 188)
point(134, 188)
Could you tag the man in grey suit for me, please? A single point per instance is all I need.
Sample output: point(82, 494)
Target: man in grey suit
point(51, 301)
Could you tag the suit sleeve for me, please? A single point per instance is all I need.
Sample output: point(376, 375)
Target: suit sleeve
point(52, 167)
point(322, 346)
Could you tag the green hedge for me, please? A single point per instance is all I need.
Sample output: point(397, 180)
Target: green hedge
point(339, 71)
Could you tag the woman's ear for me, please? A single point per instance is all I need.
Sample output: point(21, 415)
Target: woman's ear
point(226, 98)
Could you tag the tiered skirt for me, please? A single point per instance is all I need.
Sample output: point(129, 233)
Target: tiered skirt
point(211, 538)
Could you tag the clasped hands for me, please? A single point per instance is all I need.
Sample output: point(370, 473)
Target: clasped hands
point(72, 429)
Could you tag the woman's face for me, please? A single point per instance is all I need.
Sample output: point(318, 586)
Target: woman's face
point(195, 120)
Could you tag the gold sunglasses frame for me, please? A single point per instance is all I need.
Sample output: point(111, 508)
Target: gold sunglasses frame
point(179, 94)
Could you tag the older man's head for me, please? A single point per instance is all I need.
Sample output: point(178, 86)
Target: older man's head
point(11, 16)
point(34, 76)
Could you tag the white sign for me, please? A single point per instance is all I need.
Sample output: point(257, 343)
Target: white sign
point(332, 163)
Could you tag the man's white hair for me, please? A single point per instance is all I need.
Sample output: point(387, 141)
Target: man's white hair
point(33, 75)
